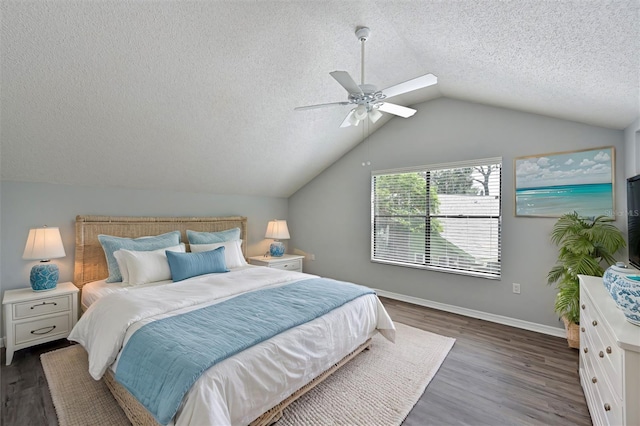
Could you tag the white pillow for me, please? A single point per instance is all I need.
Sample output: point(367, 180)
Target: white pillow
point(233, 256)
point(141, 267)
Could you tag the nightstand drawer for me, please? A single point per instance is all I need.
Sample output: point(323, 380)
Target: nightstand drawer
point(44, 306)
point(291, 265)
point(42, 328)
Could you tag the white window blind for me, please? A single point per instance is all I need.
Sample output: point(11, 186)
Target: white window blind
point(445, 217)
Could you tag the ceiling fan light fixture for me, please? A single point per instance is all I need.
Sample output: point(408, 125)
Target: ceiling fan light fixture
point(352, 119)
point(374, 115)
point(360, 112)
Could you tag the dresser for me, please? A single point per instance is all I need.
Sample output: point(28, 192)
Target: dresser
point(288, 262)
point(33, 317)
point(609, 357)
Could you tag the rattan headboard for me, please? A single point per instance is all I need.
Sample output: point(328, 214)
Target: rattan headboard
point(90, 262)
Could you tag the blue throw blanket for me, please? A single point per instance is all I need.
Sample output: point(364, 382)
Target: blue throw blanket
point(163, 359)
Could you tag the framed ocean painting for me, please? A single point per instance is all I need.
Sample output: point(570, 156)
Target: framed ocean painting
point(551, 185)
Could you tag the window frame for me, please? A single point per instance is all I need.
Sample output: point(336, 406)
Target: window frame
point(428, 169)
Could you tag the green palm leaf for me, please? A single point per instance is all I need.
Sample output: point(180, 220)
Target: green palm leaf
point(586, 247)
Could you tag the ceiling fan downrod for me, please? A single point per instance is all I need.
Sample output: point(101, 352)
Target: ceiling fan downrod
point(363, 34)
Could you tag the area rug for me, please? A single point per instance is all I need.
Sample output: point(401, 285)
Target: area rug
point(379, 386)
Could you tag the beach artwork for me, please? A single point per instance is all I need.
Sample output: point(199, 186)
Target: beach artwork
point(551, 185)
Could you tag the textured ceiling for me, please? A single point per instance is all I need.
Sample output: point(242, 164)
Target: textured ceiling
point(199, 96)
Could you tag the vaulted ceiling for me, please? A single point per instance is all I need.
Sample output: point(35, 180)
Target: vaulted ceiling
point(198, 96)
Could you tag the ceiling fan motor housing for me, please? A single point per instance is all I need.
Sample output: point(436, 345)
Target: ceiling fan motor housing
point(363, 33)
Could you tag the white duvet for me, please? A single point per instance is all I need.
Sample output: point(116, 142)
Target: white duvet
point(238, 389)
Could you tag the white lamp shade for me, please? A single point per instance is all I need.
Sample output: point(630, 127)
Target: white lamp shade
point(360, 112)
point(374, 115)
point(43, 244)
point(277, 229)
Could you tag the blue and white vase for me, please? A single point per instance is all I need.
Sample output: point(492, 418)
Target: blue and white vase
point(616, 272)
point(44, 276)
point(626, 293)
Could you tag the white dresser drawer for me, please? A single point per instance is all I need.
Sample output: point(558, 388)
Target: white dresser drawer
point(606, 353)
point(292, 265)
point(42, 328)
point(44, 306)
point(610, 405)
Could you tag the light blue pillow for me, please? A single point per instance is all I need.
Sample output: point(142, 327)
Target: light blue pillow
point(187, 265)
point(111, 244)
point(195, 237)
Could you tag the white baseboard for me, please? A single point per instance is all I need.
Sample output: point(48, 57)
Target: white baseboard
point(513, 322)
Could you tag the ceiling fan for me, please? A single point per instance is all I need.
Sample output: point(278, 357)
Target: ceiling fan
point(368, 100)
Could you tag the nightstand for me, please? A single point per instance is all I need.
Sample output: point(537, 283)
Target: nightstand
point(289, 262)
point(33, 317)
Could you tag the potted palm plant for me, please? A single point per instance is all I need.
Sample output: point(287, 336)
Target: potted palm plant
point(585, 244)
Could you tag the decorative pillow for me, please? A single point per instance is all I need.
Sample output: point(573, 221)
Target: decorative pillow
point(122, 265)
point(142, 267)
point(233, 256)
point(195, 237)
point(187, 265)
point(111, 244)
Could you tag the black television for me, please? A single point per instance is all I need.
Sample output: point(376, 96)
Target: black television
point(633, 220)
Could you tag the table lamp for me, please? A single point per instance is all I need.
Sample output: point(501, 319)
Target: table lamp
point(44, 244)
point(277, 229)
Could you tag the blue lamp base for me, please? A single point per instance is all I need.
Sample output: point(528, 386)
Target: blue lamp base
point(276, 249)
point(44, 276)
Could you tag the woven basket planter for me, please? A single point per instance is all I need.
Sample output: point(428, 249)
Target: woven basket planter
point(573, 333)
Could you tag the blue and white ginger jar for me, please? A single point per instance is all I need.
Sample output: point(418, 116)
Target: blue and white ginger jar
point(616, 272)
point(623, 285)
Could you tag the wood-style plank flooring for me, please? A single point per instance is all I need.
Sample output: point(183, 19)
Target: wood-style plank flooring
point(494, 375)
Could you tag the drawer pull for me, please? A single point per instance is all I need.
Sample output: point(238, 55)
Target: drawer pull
point(583, 329)
point(583, 306)
point(594, 323)
point(586, 350)
point(44, 303)
point(608, 349)
point(38, 332)
point(594, 380)
point(601, 354)
point(607, 407)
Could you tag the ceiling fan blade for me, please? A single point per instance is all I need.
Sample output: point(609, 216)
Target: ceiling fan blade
point(347, 120)
point(396, 109)
point(408, 86)
point(320, 105)
point(346, 81)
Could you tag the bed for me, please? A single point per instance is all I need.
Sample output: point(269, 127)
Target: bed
point(252, 386)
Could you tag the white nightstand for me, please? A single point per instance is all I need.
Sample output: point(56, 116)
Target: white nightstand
point(33, 317)
point(289, 262)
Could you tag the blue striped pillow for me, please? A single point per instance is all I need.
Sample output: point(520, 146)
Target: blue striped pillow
point(187, 265)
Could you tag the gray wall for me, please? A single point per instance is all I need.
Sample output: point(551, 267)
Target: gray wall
point(27, 205)
point(632, 149)
point(330, 216)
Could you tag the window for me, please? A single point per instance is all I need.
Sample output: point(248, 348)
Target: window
point(444, 217)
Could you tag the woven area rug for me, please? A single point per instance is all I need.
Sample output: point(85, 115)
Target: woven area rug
point(379, 386)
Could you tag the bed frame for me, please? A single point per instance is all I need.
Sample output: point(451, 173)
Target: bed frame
point(91, 265)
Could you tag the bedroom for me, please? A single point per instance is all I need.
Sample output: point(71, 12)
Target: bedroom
point(160, 110)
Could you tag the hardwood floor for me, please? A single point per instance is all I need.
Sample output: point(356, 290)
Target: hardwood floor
point(494, 375)
point(25, 396)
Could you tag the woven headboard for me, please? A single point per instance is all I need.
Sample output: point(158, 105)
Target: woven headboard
point(90, 262)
